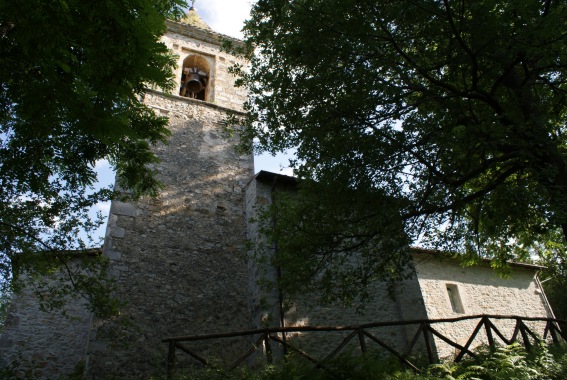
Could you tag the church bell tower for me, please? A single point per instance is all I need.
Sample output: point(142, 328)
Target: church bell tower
point(178, 259)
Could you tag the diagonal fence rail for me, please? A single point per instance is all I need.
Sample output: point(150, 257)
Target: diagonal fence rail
point(261, 340)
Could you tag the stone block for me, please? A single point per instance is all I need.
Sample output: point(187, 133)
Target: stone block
point(118, 232)
point(126, 209)
point(113, 255)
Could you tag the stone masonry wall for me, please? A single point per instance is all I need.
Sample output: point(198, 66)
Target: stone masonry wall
point(263, 302)
point(481, 291)
point(183, 41)
point(405, 304)
point(179, 259)
point(39, 344)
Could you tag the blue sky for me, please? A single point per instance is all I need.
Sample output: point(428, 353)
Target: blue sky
point(226, 17)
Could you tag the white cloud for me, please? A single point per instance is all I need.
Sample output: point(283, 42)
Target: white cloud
point(103, 207)
point(105, 173)
point(224, 16)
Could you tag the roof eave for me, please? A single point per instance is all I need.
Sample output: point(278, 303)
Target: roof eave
point(201, 34)
point(433, 252)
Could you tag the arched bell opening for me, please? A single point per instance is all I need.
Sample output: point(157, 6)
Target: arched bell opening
point(195, 77)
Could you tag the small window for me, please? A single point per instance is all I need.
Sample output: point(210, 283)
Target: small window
point(195, 77)
point(455, 298)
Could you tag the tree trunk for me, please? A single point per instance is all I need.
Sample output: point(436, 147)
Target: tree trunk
point(556, 185)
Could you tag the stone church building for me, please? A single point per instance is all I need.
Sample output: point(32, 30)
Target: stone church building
point(180, 261)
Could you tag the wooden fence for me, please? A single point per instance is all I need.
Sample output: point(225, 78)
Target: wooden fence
point(263, 339)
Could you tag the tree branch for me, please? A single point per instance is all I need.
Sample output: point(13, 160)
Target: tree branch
point(49, 249)
point(464, 200)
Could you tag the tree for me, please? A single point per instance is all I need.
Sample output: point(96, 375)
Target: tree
point(554, 281)
point(453, 111)
point(72, 79)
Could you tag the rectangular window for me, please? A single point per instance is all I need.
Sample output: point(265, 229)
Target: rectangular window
point(455, 298)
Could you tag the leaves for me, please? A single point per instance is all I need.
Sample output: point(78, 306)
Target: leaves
point(455, 109)
point(506, 362)
point(510, 362)
point(72, 78)
point(333, 242)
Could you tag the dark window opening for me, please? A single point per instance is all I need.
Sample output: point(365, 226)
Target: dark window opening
point(195, 78)
point(455, 298)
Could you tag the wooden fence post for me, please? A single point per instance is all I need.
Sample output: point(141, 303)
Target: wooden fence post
point(361, 340)
point(524, 334)
point(171, 361)
point(428, 343)
point(268, 347)
point(488, 330)
point(553, 332)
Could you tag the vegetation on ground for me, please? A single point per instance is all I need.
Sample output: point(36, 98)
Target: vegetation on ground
point(505, 363)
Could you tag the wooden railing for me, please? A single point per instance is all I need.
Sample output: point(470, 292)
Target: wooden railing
point(263, 338)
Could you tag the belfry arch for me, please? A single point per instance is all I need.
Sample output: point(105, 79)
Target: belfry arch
point(195, 77)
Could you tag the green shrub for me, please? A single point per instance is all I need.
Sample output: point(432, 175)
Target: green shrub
point(505, 363)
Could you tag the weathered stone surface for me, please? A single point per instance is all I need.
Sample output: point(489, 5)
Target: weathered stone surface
point(179, 259)
point(481, 291)
point(41, 344)
point(181, 265)
point(126, 209)
point(424, 296)
point(405, 304)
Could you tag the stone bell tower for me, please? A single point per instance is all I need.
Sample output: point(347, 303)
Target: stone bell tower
point(178, 259)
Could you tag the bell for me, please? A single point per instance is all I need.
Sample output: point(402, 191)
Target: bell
point(193, 83)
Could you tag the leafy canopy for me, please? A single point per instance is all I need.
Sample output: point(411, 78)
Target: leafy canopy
point(552, 255)
point(454, 111)
point(72, 79)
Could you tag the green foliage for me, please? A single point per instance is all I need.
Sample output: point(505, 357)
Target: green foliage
point(554, 281)
point(72, 79)
point(454, 109)
point(58, 277)
point(296, 367)
point(14, 372)
point(511, 362)
point(506, 363)
point(332, 241)
point(4, 307)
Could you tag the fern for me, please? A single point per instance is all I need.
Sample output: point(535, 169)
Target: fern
point(504, 363)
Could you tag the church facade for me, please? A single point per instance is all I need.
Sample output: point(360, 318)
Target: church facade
point(179, 260)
